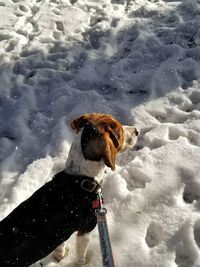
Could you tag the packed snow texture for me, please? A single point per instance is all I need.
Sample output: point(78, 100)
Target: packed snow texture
point(138, 60)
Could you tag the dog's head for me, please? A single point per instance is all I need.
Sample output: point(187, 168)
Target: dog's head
point(103, 136)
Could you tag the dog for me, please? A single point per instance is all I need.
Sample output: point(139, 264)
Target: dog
point(42, 223)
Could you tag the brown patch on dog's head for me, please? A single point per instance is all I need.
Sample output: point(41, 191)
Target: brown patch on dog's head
point(110, 138)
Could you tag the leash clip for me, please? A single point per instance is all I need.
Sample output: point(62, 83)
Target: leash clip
point(98, 204)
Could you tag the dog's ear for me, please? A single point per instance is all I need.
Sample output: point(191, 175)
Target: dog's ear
point(98, 146)
point(108, 150)
point(84, 120)
point(78, 123)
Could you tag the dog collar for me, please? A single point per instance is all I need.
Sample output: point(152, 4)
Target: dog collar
point(90, 186)
point(85, 182)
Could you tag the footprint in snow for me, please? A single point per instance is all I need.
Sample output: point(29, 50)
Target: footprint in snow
point(23, 8)
point(135, 178)
point(154, 235)
point(174, 133)
point(191, 190)
point(60, 26)
point(185, 243)
point(171, 115)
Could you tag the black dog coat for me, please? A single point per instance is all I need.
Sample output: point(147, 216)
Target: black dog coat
point(46, 219)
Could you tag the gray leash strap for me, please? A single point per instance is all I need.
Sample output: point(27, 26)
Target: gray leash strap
point(106, 249)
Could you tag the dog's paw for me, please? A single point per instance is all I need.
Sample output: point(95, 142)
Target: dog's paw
point(60, 252)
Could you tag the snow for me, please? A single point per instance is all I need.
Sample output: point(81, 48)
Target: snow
point(137, 60)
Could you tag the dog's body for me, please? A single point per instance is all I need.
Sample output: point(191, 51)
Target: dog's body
point(64, 205)
point(50, 216)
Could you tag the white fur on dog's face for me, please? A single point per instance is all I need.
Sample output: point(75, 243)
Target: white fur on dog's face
point(131, 135)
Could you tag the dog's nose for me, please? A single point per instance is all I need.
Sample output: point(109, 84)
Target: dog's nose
point(136, 132)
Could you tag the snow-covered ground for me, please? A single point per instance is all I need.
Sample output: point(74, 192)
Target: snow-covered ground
point(138, 60)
